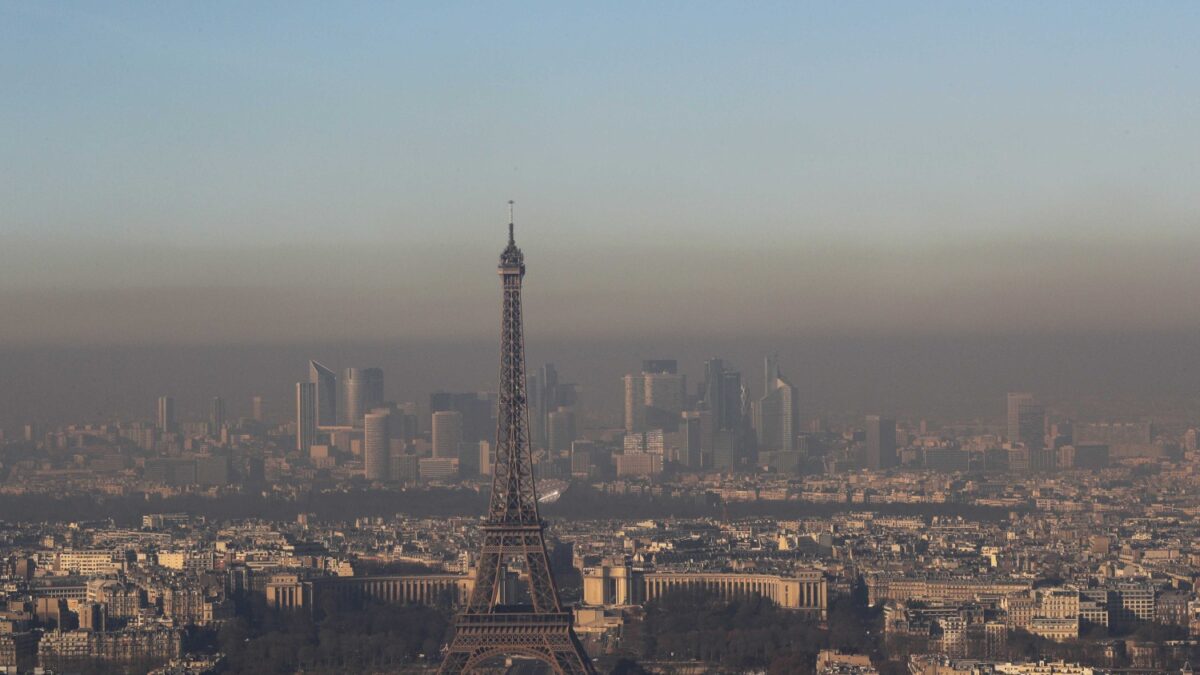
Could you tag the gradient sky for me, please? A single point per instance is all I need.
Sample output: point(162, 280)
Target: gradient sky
point(254, 172)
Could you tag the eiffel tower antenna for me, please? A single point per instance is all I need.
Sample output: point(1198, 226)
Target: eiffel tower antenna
point(486, 630)
point(510, 223)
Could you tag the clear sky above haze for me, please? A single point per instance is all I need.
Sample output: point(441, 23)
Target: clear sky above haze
point(252, 171)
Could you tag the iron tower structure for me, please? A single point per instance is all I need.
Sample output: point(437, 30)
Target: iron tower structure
point(486, 628)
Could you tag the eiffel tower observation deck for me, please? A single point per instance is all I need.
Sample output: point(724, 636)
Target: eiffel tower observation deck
point(486, 631)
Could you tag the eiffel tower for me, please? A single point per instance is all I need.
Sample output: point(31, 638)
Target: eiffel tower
point(486, 630)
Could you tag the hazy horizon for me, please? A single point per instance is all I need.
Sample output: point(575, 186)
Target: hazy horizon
point(229, 174)
point(917, 206)
point(946, 378)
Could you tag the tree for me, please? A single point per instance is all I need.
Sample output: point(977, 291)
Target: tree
point(627, 667)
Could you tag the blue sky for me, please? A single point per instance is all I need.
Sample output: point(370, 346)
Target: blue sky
point(833, 147)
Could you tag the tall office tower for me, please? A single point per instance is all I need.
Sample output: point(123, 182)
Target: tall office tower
point(711, 389)
point(537, 427)
point(487, 458)
point(376, 446)
point(714, 370)
point(258, 409)
point(477, 410)
point(778, 411)
point(546, 395)
point(655, 397)
point(568, 394)
point(725, 399)
point(373, 389)
point(583, 457)
point(662, 366)
point(1027, 426)
point(656, 442)
point(405, 424)
point(326, 393)
point(664, 394)
point(216, 416)
point(1031, 423)
point(691, 446)
point(549, 376)
point(306, 415)
point(635, 404)
point(726, 450)
point(770, 372)
point(547, 403)
point(166, 414)
point(353, 405)
point(1015, 401)
point(723, 395)
point(733, 400)
point(364, 392)
point(490, 626)
point(561, 426)
point(469, 460)
point(881, 442)
point(447, 433)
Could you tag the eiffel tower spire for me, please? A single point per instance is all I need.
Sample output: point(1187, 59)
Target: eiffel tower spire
point(486, 629)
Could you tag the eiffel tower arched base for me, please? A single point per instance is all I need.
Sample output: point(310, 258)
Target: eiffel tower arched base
point(546, 637)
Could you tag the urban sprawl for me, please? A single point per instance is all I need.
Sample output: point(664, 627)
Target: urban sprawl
point(1035, 544)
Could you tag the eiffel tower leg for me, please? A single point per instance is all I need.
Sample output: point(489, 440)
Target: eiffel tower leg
point(487, 573)
point(572, 659)
point(455, 662)
point(542, 589)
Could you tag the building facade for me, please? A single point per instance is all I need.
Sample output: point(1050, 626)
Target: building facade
point(607, 585)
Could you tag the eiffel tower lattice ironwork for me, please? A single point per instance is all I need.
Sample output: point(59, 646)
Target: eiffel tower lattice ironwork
point(486, 629)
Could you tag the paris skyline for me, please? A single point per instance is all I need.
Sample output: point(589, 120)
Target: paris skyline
point(626, 338)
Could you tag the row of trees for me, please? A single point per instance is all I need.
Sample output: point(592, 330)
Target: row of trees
point(581, 501)
point(371, 638)
point(749, 633)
